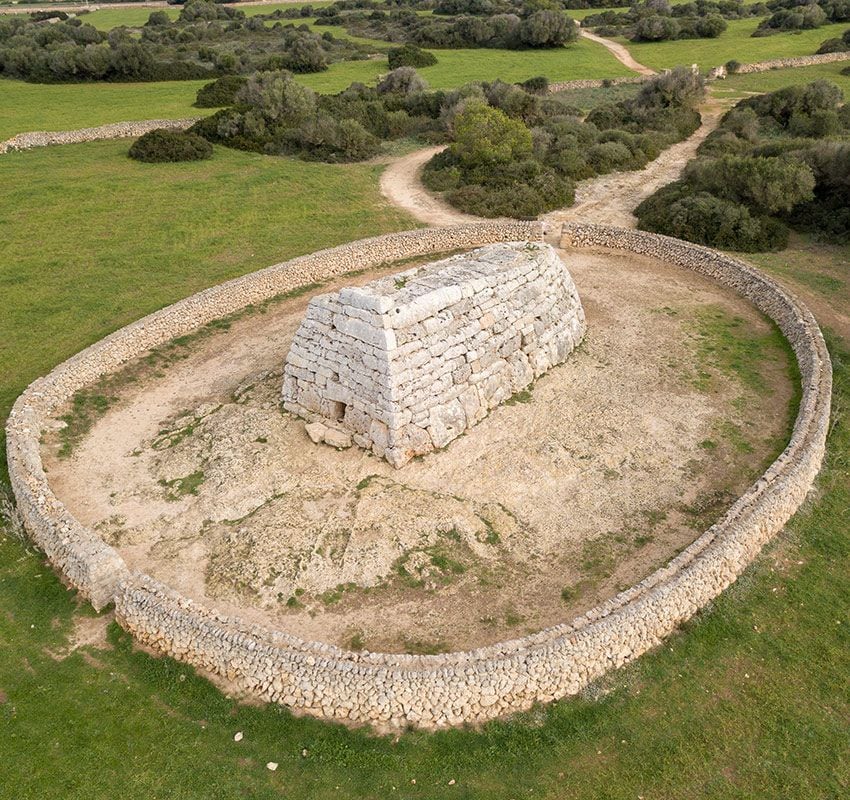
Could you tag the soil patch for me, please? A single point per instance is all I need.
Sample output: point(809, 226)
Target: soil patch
point(612, 463)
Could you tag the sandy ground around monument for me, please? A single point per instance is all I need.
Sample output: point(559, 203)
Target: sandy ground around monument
point(613, 463)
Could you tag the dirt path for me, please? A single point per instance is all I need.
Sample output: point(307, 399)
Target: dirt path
point(619, 52)
point(401, 184)
point(609, 199)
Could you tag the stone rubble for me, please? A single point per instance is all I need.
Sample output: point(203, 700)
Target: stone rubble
point(407, 363)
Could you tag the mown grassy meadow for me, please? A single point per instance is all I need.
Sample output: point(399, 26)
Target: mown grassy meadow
point(62, 106)
point(735, 43)
point(93, 240)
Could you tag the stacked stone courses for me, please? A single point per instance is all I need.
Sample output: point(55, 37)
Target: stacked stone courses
point(452, 688)
point(407, 363)
point(114, 130)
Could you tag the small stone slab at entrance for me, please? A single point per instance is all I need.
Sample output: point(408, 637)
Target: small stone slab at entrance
point(408, 362)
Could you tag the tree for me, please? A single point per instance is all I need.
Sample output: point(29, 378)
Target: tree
point(485, 136)
point(276, 97)
point(547, 29)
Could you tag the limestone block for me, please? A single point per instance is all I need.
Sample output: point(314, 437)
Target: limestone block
point(408, 362)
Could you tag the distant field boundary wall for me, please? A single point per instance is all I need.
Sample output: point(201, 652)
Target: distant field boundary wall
point(392, 690)
point(797, 61)
point(114, 130)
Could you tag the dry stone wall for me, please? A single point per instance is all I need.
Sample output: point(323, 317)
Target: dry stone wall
point(406, 363)
point(797, 61)
point(115, 130)
point(448, 689)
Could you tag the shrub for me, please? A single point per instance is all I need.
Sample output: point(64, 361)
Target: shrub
point(656, 29)
point(537, 85)
point(410, 56)
point(221, 92)
point(484, 136)
point(547, 29)
point(162, 145)
point(733, 66)
point(705, 219)
point(404, 80)
point(158, 18)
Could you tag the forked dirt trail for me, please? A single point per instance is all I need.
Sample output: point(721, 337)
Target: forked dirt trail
point(401, 184)
point(619, 52)
point(609, 199)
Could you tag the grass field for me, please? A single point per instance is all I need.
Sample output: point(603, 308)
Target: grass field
point(456, 67)
point(777, 78)
point(81, 218)
point(56, 107)
point(735, 43)
point(31, 106)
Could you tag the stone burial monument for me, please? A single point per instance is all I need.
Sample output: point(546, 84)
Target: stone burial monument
point(408, 362)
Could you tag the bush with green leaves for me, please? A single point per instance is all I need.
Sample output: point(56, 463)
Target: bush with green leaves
point(836, 45)
point(518, 154)
point(164, 145)
point(702, 218)
point(657, 20)
point(777, 160)
point(221, 92)
point(410, 55)
point(510, 24)
point(206, 41)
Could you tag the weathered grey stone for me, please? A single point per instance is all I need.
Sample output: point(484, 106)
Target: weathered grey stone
point(412, 342)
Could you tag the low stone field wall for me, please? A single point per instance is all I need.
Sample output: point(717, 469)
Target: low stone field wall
point(453, 688)
point(596, 83)
point(798, 61)
point(115, 130)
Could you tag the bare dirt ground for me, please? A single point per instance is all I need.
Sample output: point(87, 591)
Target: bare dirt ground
point(619, 52)
point(611, 199)
point(613, 463)
point(401, 184)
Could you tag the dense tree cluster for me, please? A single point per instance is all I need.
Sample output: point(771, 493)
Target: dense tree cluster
point(207, 39)
point(657, 20)
point(456, 23)
point(516, 154)
point(776, 161)
point(792, 15)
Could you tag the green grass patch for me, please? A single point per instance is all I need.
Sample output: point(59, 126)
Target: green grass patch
point(736, 42)
point(178, 488)
point(584, 59)
point(66, 106)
